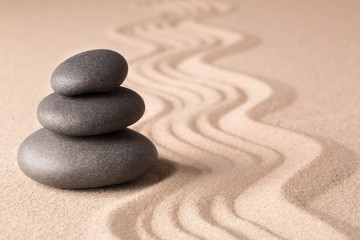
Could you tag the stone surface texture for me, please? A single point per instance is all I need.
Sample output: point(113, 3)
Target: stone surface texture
point(86, 162)
point(97, 70)
point(90, 114)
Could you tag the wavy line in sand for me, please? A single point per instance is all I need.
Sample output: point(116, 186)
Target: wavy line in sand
point(182, 201)
point(265, 198)
point(218, 136)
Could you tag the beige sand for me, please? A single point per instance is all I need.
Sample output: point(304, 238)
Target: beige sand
point(253, 105)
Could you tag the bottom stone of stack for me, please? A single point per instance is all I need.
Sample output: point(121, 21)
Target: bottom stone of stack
point(86, 162)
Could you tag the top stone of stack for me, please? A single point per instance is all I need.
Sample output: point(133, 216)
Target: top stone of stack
point(92, 71)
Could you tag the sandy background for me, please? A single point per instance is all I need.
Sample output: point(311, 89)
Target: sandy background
point(253, 105)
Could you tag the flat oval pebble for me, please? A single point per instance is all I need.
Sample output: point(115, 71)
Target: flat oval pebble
point(86, 162)
point(97, 70)
point(90, 114)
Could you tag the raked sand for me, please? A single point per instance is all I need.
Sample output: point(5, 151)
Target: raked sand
point(253, 106)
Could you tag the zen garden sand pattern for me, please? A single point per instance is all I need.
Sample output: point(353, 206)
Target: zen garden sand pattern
point(253, 107)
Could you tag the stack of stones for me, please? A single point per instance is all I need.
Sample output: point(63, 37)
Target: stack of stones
point(85, 142)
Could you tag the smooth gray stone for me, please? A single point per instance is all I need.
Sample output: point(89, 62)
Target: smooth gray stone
point(97, 70)
point(90, 114)
point(86, 162)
